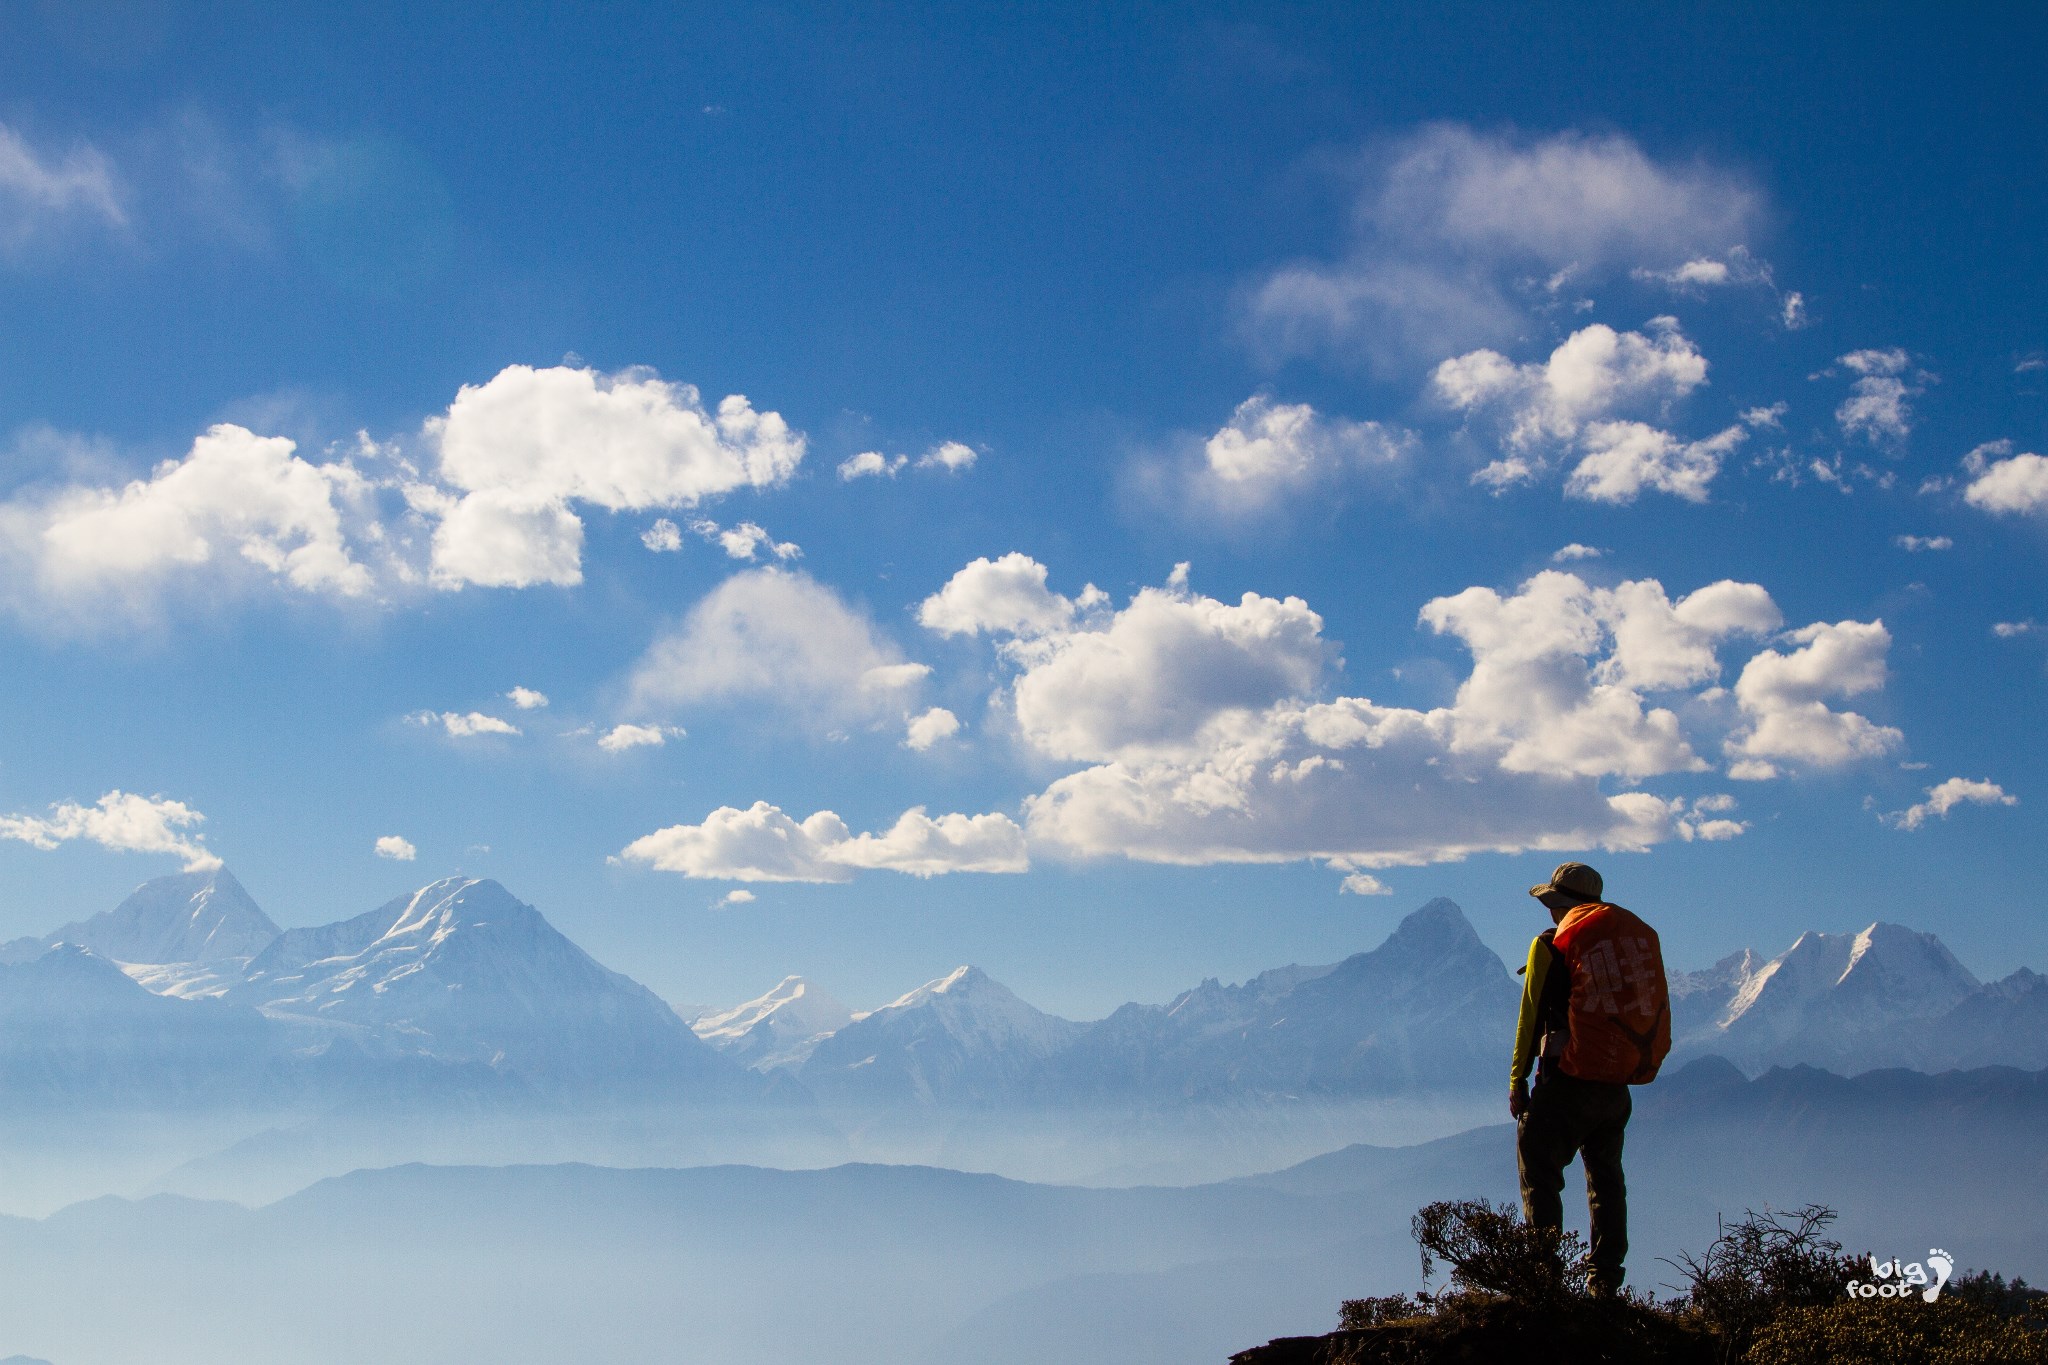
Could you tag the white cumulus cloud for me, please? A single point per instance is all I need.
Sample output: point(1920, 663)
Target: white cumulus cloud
point(1946, 796)
point(763, 844)
point(1153, 678)
point(871, 464)
point(121, 821)
point(2016, 485)
point(526, 699)
point(236, 504)
point(519, 458)
point(663, 537)
point(1623, 459)
point(1507, 472)
point(744, 541)
point(1708, 822)
point(1204, 740)
point(1784, 701)
point(1351, 783)
point(1560, 669)
point(1268, 450)
point(620, 738)
point(396, 848)
point(1594, 372)
point(464, 724)
point(951, 456)
point(929, 727)
point(1007, 595)
point(523, 448)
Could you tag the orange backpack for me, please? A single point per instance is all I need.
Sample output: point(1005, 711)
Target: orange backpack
point(1620, 1007)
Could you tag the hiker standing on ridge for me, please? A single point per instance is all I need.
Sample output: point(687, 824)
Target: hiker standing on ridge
point(1596, 1019)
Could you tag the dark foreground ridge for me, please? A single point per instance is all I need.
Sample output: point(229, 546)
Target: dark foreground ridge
point(1772, 1289)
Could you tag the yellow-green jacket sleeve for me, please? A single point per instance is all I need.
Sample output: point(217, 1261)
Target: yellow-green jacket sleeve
point(1527, 1039)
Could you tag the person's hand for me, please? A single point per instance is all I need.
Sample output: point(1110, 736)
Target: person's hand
point(1518, 1102)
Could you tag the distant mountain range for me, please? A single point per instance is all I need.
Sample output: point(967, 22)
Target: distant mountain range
point(1429, 1009)
point(1885, 997)
point(1425, 1011)
point(457, 986)
point(187, 992)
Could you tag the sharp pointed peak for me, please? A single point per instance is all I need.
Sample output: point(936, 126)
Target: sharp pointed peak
point(450, 903)
point(960, 982)
point(1436, 921)
point(218, 874)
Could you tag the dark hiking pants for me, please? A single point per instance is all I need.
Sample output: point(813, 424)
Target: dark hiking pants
point(1569, 1117)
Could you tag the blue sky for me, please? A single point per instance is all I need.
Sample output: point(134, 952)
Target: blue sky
point(1593, 433)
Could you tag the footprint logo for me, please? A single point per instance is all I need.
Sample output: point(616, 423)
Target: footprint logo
point(1940, 1263)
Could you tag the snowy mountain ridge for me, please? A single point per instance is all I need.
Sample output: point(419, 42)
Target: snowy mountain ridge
point(1842, 1001)
point(468, 972)
point(775, 1030)
point(461, 972)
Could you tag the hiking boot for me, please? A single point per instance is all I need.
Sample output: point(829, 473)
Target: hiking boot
point(1600, 1285)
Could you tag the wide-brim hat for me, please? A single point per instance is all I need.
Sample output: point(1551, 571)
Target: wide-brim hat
point(1573, 879)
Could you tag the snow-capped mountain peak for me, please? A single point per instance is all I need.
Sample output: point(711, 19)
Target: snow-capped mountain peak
point(468, 971)
point(792, 999)
point(439, 909)
point(974, 1005)
point(1890, 970)
point(777, 1029)
point(1838, 1000)
point(960, 981)
point(964, 1036)
point(185, 917)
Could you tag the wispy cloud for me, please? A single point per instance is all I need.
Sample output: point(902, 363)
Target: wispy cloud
point(42, 192)
point(1945, 797)
point(780, 636)
point(1459, 235)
